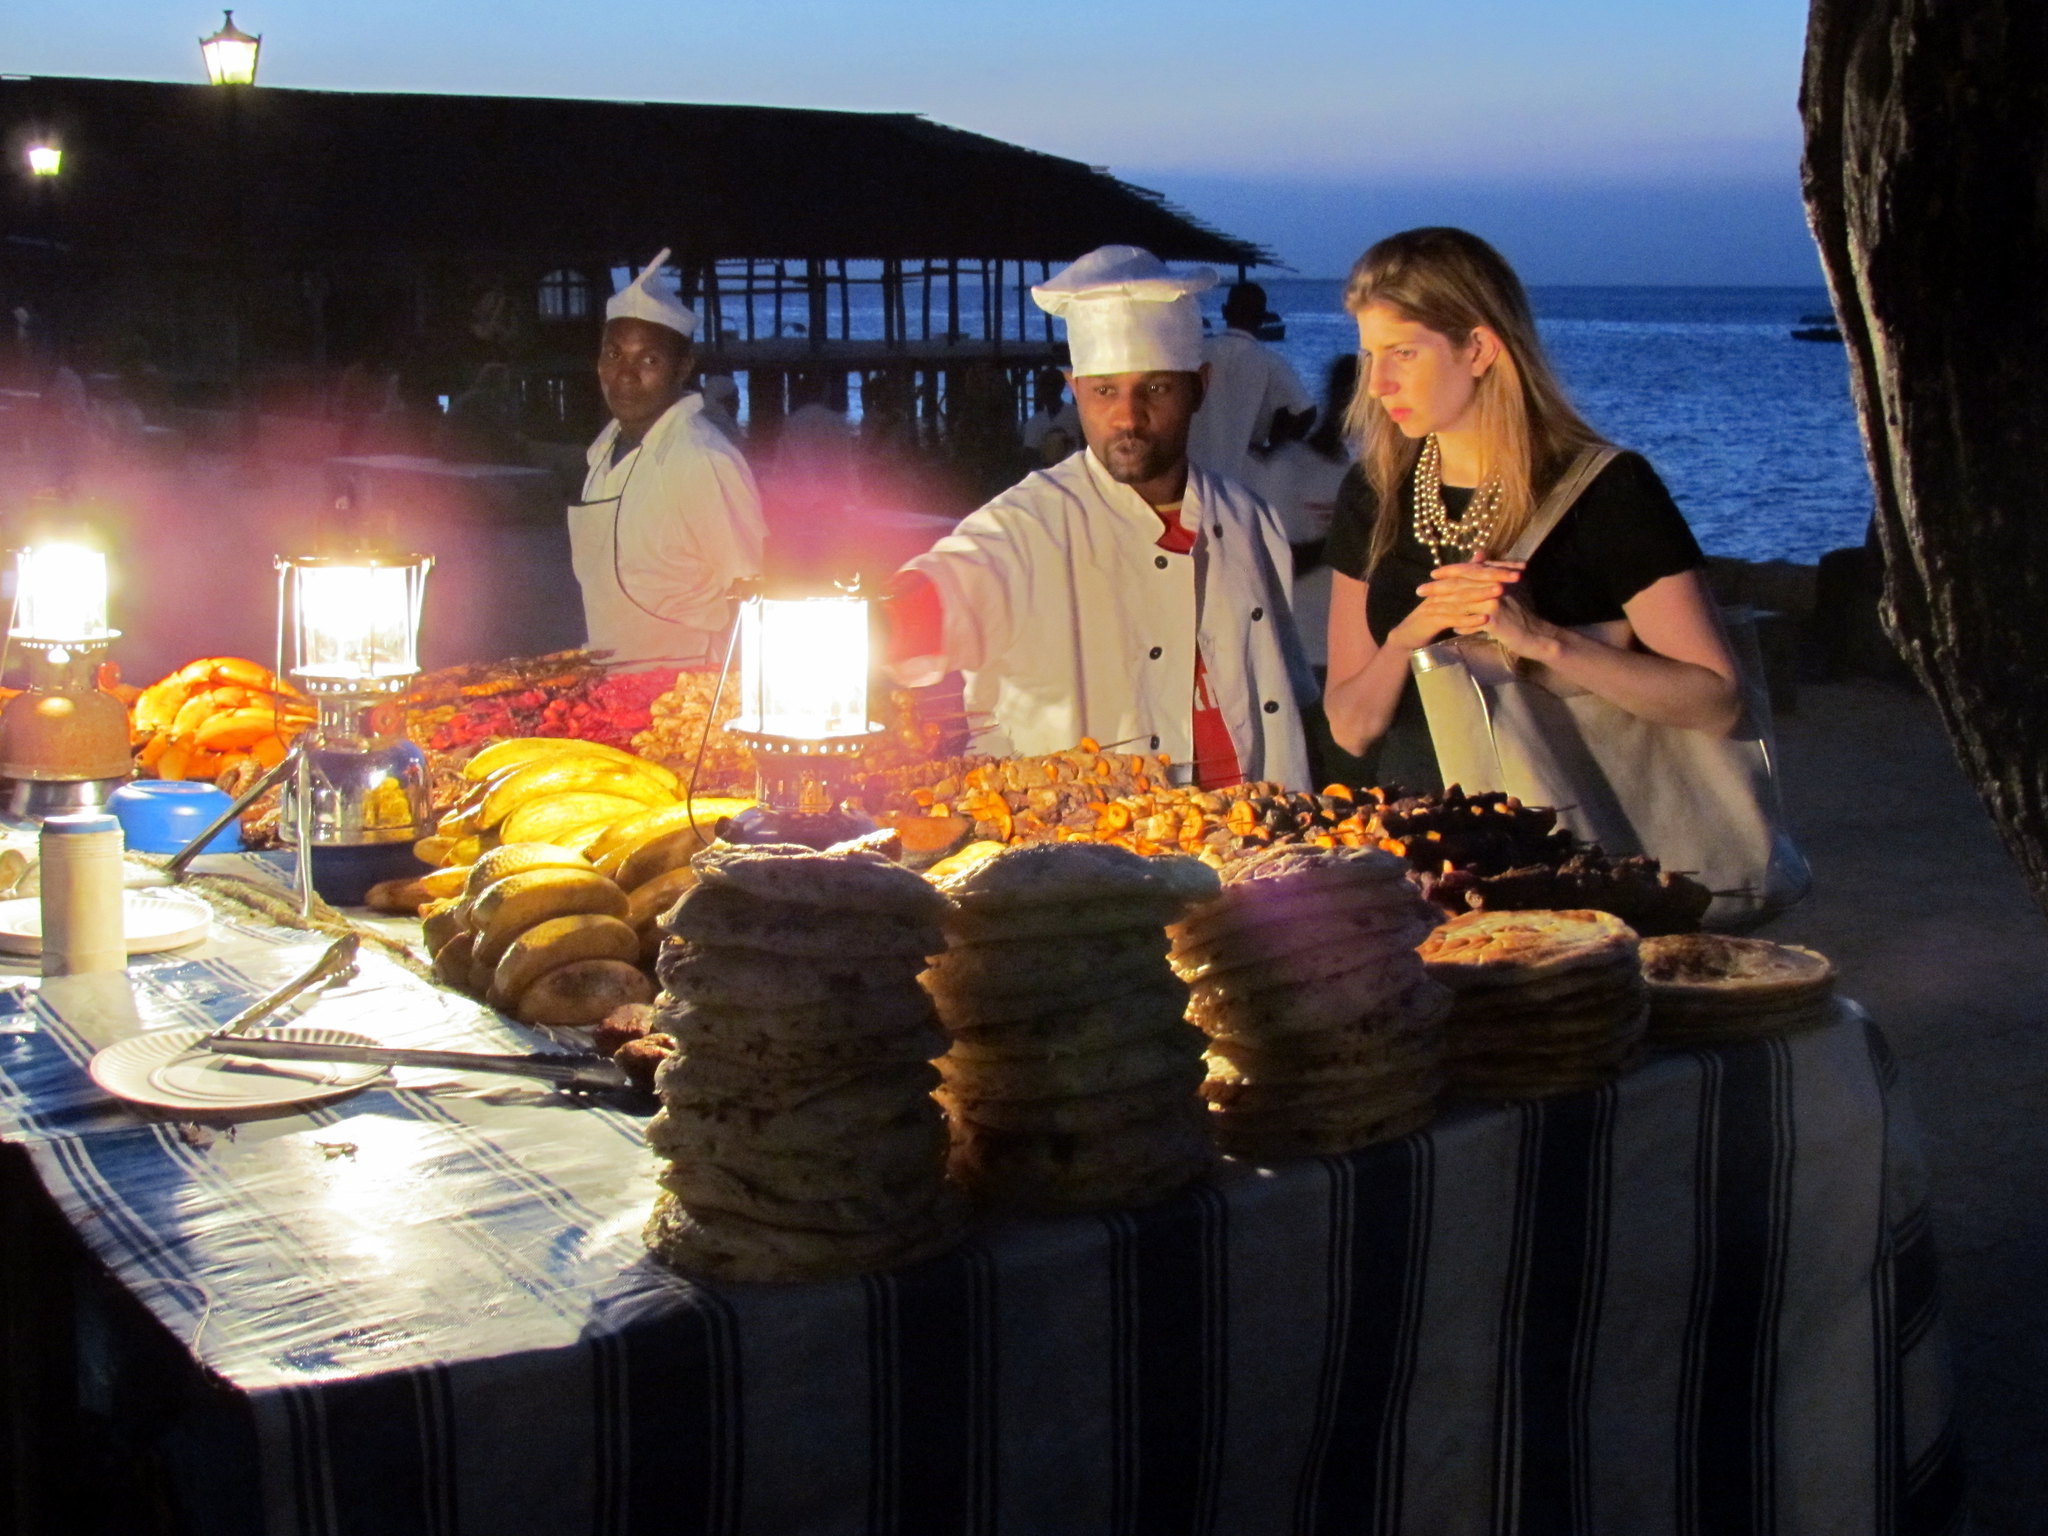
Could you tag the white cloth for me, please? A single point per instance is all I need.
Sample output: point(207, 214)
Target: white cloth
point(1126, 313)
point(1300, 485)
point(1069, 620)
point(1248, 382)
point(647, 298)
point(661, 535)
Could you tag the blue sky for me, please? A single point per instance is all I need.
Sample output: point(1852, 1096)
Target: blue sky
point(1595, 140)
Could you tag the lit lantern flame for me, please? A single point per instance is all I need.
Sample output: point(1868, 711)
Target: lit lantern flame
point(61, 595)
point(804, 668)
point(357, 622)
point(45, 160)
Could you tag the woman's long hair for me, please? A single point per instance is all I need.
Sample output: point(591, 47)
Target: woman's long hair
point(1452, 282)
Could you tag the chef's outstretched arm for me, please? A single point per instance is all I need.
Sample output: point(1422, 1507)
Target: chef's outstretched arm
point(957, 606)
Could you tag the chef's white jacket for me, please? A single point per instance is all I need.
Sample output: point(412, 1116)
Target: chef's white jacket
point(1248, 382)
point(1069, 620)
point(661, 535)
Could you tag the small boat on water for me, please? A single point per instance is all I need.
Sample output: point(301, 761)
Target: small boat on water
point(1816, 328)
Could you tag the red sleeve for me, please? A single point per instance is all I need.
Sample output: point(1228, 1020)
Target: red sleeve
point(913, 618)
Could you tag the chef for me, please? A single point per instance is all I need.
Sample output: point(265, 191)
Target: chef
point(1121, 594)
point(670, 516)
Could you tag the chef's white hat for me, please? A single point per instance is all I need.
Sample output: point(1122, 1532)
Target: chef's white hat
point(642, 299)
point(1126, 313)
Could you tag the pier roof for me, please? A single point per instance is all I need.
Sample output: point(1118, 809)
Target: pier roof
point(340, 175)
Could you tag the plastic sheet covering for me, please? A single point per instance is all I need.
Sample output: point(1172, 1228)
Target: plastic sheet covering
point(1702, 1297)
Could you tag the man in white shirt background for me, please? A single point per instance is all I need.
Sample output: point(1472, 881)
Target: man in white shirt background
point(670, 516)
point(1249, 384)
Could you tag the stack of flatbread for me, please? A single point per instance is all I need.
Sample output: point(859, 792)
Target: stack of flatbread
point(1708, 989)
point(1325, 1034)
point(1071, 1079)
point(1546, 1002)
point(797, 1119)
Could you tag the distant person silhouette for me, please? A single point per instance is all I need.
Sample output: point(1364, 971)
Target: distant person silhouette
point(1251, 389)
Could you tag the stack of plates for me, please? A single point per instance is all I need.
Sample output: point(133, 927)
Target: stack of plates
point(152, 920)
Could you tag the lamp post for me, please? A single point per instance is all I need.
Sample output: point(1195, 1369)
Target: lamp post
point(804, 710)
point(231, 56)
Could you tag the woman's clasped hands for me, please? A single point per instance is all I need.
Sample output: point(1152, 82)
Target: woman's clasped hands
point(1470, 597)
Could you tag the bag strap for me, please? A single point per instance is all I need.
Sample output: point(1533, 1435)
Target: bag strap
point(1570, 487)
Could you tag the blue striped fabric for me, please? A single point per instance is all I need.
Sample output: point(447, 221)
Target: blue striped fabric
point(1701, 1300)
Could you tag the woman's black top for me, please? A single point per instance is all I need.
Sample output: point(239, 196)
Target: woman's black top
point(1621, 535)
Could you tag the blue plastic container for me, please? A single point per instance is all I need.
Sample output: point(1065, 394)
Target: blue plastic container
point(163, 815)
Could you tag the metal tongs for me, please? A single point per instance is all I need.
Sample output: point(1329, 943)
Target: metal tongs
point(576, 1072)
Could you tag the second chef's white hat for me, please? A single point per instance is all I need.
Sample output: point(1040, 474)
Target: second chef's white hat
point(649, 298)
point(1126, 313)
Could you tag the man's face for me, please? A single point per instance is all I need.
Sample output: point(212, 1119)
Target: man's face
point(641, 368)
point(1137, 423)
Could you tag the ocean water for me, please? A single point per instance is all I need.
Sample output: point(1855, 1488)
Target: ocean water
point(1753, 431)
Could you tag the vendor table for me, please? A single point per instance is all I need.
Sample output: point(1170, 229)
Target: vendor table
point(1701, 1300)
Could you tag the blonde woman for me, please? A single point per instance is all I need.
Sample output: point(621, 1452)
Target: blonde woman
point(1462, 428)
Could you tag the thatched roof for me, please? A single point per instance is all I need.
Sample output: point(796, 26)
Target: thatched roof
point(338, 176)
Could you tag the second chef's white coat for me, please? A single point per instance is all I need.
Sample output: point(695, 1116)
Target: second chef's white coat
point(660, 536)
point(1056, 595)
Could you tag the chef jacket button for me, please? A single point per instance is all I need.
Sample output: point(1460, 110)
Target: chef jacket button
point(1216, 531)
point(1272, 708)
point(1155, 743)
point(1160, 561)
point(1258, 614)
point(1157, 653)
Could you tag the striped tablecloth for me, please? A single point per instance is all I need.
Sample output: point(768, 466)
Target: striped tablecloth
point(1700, 1301)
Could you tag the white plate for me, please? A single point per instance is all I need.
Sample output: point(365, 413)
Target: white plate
point(165, 1069)
point(151, 920)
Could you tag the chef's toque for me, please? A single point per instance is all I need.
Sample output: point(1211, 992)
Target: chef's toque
point(1126, 313)
point(648, 298)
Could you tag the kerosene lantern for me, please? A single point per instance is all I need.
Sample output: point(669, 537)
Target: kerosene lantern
point(804, 710)
point(64, 738)
point(359, 799)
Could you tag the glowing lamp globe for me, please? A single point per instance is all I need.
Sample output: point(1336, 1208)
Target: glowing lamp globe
point(64, 738)
point(45, 160)
point(804, 710)
point(230, 54)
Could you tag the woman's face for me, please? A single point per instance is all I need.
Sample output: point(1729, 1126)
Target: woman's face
point(1421, 380)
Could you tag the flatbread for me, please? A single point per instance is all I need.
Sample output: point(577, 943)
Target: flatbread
point(1058, 874)
point(1334, 1004)
point(1504, 949)
point(1312, 968)
point(1093, 1114)
point(694, 1078)
point(857, 881)
point(1056, 1173)
point(720, 1245)
point(1273, 923)
point(899, 1010)
point(901, 1205)
point(1689, 965)
point(730, 1129)
point(1162, 1059)
point(1304, 947)
point(1310, 864)
point(724, 915)
point(1058, 921)
point(716, 1035)
point(1372, 1092)
point(964, 1012)
point(903, 1151)
point(1383, 1055)
point(752, 978)
point(1049, 965)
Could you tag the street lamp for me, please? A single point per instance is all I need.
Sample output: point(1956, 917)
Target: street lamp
point(45, 160)
point(230, 54)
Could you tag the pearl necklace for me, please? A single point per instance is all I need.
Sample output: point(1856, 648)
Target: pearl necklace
point(1435, 526)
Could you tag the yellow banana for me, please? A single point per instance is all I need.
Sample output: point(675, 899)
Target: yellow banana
point(659, 855)
point(548, 945)
point(565, 775)
point(506, 908)
point(550, 818)
point(523, 750)
point(650, 899)
point(516, 858)
point(451, 960)
point(583, 992)
point(449, 880)
point(652, 822)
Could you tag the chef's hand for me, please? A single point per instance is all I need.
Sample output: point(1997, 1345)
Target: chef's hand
point(1458, 597)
